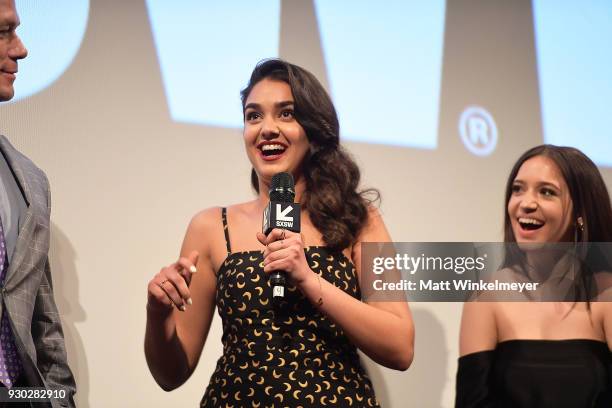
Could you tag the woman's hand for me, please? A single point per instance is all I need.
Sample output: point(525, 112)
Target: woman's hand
point(285, 252)
point(170, 287)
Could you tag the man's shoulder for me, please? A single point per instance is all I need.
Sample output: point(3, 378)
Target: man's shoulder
point(19, 159)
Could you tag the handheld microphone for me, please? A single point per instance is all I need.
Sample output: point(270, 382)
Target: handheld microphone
point(281, 212)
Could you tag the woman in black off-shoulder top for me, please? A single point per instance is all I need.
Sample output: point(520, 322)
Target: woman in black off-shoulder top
point(553, 353)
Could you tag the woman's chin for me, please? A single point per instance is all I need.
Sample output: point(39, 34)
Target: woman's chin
point(267, 171)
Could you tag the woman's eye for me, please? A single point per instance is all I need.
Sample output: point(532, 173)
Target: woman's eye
point(547, 192)
point(516, 188)
point(251, 116)
point(287, 113)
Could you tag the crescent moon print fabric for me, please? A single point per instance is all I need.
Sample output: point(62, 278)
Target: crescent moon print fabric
point(285, 354)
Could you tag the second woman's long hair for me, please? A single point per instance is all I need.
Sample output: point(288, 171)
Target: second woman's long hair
point(331, 198)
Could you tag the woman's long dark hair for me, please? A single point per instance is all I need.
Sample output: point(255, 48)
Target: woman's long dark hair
point(331, 198)
point(590, 203)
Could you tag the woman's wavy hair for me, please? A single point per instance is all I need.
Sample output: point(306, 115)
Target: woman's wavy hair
point(590, 202)
point(331, 198)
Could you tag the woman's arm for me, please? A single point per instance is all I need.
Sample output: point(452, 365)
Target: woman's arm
point(382, 330)
point(478, 328)
point(176, 330)
point(606, 307)
point(477, 341)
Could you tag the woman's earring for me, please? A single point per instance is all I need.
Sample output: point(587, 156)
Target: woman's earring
point(578, 230)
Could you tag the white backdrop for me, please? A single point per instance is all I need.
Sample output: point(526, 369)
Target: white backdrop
point(126, 180)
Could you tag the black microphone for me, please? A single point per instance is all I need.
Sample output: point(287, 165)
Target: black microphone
point(281, 212)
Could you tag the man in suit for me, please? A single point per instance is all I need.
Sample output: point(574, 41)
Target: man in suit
point(32, 351)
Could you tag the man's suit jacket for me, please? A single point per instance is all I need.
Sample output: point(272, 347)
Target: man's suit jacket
point(27, 293)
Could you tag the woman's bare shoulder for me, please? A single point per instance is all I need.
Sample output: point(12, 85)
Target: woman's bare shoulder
point(373, 229)
point(206, 220)
point(211, 217)
point(478, 328)
point(246, 209)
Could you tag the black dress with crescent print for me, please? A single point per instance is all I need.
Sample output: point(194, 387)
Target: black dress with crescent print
point(287, 354)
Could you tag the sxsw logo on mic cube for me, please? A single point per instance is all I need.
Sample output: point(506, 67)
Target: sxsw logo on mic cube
point(281, 215)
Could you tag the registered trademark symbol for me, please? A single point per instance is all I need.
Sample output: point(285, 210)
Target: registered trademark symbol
point(478, 130)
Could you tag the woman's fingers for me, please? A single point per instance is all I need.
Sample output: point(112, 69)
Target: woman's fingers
point(171, 285)
point(186, 268)
point(176, 287)
point(158, 301)
point(283, 244)
point(280, 239)
point(278, 234)
point(262, 238)
point(193, 258)
point(274, 235)
point(278, 265)
point(290, 257)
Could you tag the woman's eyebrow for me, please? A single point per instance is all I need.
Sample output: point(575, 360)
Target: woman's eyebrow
point(257, 106)
point(252, 105)
point(549, 184)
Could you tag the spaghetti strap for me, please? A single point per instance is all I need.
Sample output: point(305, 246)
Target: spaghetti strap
point(226, 230)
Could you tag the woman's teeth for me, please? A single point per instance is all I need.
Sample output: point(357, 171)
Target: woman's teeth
point(530, 223)
point(272, 149)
